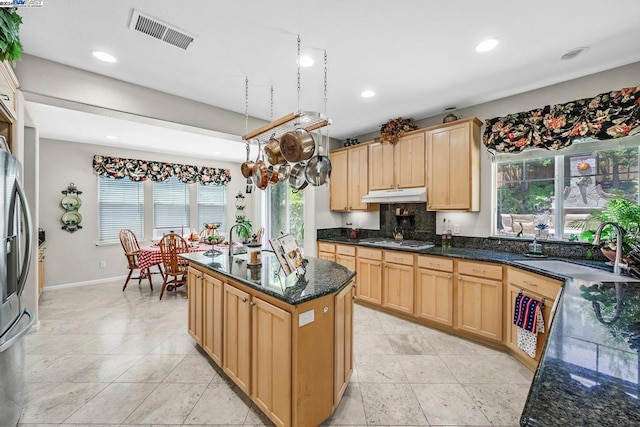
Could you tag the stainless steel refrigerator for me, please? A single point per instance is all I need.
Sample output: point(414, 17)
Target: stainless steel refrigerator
point(15, 256)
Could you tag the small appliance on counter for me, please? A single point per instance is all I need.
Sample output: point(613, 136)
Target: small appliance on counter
point(352, 232)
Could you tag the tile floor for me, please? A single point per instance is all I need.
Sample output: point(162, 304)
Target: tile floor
point(107, 357)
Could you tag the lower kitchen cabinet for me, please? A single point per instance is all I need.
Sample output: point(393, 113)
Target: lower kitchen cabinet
point(346, 256)
point(397, 288)
point(434, 289)
point(480, 299)
point(213, 302)
point(343, 342)
point(195, 289)
point(236, 362)
point(327, 251)
point(369, 275)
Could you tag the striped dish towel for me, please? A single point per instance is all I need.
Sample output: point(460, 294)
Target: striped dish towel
point(527, 316)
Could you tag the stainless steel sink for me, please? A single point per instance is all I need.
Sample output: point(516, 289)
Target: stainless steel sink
point(403, 244)
point(576, 271)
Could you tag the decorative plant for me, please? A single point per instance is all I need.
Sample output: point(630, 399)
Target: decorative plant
point(395, 128)
point(244, 232)
point(10, 46)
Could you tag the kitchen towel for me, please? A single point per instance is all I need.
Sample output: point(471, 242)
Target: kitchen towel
point(529, 322)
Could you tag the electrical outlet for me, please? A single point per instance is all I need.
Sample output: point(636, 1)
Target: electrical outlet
point(456, 228)
point(103, 264)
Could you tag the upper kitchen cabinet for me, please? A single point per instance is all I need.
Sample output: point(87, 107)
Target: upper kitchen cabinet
point(398, 166)
point(349, 180)
point(8, 101)
point(453, 166)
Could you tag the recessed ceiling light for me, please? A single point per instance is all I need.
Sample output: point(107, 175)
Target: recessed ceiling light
point(487, 45)
point(103, 56)
point(574, 52)
point(217, 152)
point(306, 61)
point(368, 93)
point(112, 137)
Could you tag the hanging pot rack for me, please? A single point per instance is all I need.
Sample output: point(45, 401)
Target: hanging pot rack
point(308, 120)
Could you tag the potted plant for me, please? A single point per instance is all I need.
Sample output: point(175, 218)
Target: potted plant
point(10, 46)
point(244, 232)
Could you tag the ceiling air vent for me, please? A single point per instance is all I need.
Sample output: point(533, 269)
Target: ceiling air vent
point(161, 30)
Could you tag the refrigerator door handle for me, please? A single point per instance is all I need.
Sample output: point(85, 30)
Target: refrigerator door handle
point(5, 345)
point(22, 278)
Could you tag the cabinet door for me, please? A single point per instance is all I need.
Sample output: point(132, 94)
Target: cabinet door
point(480, 306)
point(237, 336)
point(327, 256)
point(398, 287)
point(358, 178)
point(194, 288)
point(369, 279)
point(347, 261)
point(338, 190)
point(343, 365)
point(410, 161)
point(381, 166)
point(434, 296)
point(459, 167)
point(271, 361)
point(212, 307)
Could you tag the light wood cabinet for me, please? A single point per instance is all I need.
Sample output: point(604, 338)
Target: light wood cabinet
point(41, 269)
point(535, 286)
point(398, 282)
point(195, 291)
point(343, 336)
point(398, 166)
point(480, 299)
point(349, 179)
point(236, 361)
point(212, 295)
point(8, 102)
point(345, 256)
point(434, 289)
point(369, 275)
point(327, 251)
point(453, 166)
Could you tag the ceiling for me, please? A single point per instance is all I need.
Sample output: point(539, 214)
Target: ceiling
point(418, 56)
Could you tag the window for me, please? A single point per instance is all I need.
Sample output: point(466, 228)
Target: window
point(120, 205)
point(286, 212)
point(170, 207)
point(211, 205)
point(560, 189)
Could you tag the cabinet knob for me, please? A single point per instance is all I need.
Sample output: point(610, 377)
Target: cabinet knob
point(252, 303)
point(354, 297)
point(244, 300)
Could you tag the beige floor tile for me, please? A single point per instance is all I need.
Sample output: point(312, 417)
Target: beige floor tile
point(350, 411)
point(481, 369)
point(448, 404)
point(192, 369)
point(219, 405)
point(37, 425)
point(256, 417)
point(176, 344)
point(410, 344)
point(426, 369)
point(152, 368)
point(361, 312)
point(59, 403)
point(167, 404)
point(445, 344)
point(113, 404)
point(368, 327)
point(56, 368)
point(34, 391)
point(140, 344)
point(501, 403)
point(379, 368)
point(73, 344)
point(391, 404)
point(106, 369)
point(396, 326)
point(371, 344)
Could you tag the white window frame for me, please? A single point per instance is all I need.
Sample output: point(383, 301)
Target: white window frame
point(223, 221)
point(130, 223)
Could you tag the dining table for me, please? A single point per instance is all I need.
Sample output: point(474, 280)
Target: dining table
point(150, 255)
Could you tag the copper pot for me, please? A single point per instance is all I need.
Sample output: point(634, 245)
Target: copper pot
point(297, 180)
point(272, 151)
point(247, 168)
point(261, 175)
point(297, 145)
point(273, 173)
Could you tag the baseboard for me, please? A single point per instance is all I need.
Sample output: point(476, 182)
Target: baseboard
point(86, 283)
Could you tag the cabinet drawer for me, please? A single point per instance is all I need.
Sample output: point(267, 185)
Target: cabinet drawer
point(346, 250)
point(479, 269)
point(367, 253)
point(326, 247)
point(534, 282)
point(435, 263)
point(398, 258)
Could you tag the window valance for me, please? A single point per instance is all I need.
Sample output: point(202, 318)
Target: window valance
point(605, 116)
point(141, 170)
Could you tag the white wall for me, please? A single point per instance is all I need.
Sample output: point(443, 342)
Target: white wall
point(479, 224)
point(74, 257)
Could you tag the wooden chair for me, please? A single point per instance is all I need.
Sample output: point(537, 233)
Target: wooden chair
point(171, 245)
point(131, 248)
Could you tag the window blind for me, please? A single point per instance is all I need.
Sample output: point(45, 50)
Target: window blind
point(170, 205)
point(120, 205)
point(211, 205)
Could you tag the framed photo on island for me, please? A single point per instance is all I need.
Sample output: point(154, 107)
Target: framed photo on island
point(288, 253)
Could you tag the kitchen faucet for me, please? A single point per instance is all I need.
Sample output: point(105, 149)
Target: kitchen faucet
point(231, 238)
point(596, 241)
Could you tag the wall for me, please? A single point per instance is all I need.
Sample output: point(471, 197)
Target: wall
point(75, 257)
point(479, 224)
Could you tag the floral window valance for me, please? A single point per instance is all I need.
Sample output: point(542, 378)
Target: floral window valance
point(606, 116)
point(141, 170)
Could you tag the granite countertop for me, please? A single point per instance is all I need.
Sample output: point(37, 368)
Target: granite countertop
point(321, 278)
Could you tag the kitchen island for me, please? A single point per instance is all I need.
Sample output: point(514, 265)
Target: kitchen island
point(286, 341)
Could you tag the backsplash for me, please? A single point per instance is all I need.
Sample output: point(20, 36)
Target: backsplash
point(416, 222)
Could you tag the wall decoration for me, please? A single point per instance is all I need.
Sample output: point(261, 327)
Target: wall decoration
point(394, 129)
point(71, 204)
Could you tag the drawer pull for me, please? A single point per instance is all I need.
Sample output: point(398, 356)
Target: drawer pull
point(478, 270)
point(244, 300)
point(252, 303)
point(5, 97)
point(528, 283)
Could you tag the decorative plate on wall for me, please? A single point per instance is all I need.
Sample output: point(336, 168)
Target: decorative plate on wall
point(71, 203)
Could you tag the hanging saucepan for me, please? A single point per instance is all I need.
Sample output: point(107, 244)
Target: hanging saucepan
point(284, 171)
point(260, 172)
point(247, 167)
point(272, 151)
point(273, 173)
point(318, 169)
point(297, 180)
point(297, 145)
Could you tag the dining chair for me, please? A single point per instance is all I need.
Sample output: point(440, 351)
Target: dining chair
point(175, 268)
point(131, 248)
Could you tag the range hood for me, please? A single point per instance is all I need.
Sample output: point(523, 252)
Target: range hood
point(406, 195)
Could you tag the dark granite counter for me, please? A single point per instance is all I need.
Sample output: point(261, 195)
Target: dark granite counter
point(322, 277)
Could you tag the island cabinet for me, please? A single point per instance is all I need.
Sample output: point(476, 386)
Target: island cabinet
point(541, 288)
point(398, 166)
point(349, 179)
point(434, 289)
point(398, 280)
point(453, 166)
point(479, 287)
point(293, 360)
point(369, 275)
